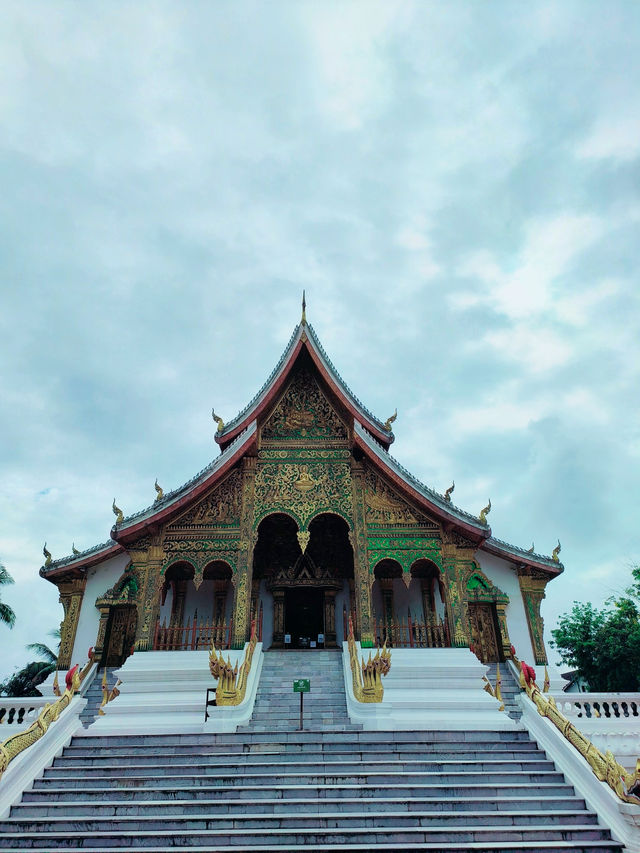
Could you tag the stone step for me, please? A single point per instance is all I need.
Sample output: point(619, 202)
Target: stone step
point(103, 806)
point(323, 820)
point(288, 751)
point(523, 846)
point(490, 739)
point(185, 773)
point(274, 764)
point(359, 835)
point(149, 789)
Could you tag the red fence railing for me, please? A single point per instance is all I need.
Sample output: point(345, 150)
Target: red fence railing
point(412, 634)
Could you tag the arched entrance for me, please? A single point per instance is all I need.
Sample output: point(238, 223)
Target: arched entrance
point(304, 586)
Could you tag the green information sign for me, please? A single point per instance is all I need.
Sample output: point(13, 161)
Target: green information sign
point(301, 685)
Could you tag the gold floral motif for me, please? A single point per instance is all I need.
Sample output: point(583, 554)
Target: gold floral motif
point(220, 506)
point(384, 506)
point(304, 413)
point(303, 490)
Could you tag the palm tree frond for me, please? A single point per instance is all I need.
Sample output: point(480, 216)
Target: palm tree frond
point(5, 577)
point(7, 615)
point(44, 652)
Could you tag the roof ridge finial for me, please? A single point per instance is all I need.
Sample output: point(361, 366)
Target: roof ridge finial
point(303, 319)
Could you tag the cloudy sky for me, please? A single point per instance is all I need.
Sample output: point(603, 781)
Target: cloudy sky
point(456, 185)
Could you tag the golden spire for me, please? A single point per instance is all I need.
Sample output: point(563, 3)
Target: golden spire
point(117, 512)
point(556, 551)
point(47, 555)
point(74, 550)
point(218, 420)
point(485, 512)
point(158, 490)
point(389, 421)
point(303, 319)
point(447, 494)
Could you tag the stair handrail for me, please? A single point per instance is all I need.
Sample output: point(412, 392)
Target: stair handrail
point(367, 677)
point(232, 681)
point(16, 744)
point(624, 784)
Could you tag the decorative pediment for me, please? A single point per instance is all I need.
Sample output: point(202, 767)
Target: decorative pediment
point(220, 508)
point(124, 591)
point(385, 507)
point(480, 588)
point(304, 413)
point(304, 572)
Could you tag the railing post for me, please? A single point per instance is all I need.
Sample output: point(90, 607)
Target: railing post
point(155, 635)
point(410, 632)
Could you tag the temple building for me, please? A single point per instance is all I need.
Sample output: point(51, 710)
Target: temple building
point(303, 522)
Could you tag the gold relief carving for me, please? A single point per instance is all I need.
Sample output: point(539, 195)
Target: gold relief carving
point(384, 506)
point(221, 506)
point(304, 413)
point(361, 598)
point(532, 585)
point(303, 539)
point(303, 490)
point(295, 454)
point(71, 595)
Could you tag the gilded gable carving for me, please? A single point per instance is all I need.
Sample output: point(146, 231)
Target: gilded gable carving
point(304, 413)
point(384, 506)
point(221, 507)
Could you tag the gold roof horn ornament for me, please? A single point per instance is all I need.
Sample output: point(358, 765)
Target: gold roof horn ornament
point(485, 512)
point(74, 550)
point(555, 552)
point(47, 554)
point(160, 492)
point(117, 512)
point(218, 420)
point(303, 319)
point(532, 549)
point(389, 421)
point(448, 493)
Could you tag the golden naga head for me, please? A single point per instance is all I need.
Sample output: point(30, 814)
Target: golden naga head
point(218, 420)
point(448, 493)
point(159, 490)
point(117, 512)
point(485, 512)
point(531, 550)
point(389, 421)
point(47, 554)
point(556, 551)
point(74, 550)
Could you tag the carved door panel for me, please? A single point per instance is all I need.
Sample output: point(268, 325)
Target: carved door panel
point(122, 634)
point(483, 631)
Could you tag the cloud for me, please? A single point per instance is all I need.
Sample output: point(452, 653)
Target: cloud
point(616, 138)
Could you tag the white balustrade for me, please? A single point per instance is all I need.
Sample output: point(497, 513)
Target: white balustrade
point(21, 712)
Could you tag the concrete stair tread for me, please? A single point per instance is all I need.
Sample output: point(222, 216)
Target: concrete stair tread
point(481, 764)
point(557, 846)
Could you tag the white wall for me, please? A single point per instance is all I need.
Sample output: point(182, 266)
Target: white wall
point(502, 574)
point(100, 578)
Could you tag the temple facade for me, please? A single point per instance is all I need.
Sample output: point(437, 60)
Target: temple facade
point(303, 523)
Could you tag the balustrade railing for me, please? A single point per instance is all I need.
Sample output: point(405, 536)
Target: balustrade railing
point(15, 712)
point(410, 633)
point(619, 706)
point(196, 634)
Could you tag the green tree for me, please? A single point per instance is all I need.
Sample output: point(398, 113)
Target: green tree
point(604, 644)
point(25, 681)
point(6, 613)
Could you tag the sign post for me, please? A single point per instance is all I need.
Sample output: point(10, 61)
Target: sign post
point(301, 686)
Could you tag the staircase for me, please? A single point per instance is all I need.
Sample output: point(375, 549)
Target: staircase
point(94, 695)
point(277, 707)
point(330, 787)
point(509, 689)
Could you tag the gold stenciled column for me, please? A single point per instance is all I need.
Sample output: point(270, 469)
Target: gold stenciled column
point(532, 584)
point(358, 541)
point(148, 565)
point(243, 586)
point(456, 563)
point(71, 595)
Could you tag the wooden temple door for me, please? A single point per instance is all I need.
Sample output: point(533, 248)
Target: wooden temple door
point(121, 635)
point(482, 619)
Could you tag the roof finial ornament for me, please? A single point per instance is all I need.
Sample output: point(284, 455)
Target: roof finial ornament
point(47, 555)
point(485, 512)
point(555, 552)
point(447, 494)
point(218, 420)
point(389, 421)
point(532, 549)
point(74, 550)
point(158, 490)
point(303, 319)
point(117, 512)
